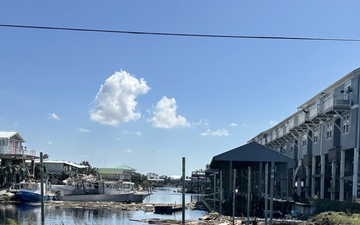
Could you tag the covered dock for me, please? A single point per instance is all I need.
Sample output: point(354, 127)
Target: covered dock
point(244, 177)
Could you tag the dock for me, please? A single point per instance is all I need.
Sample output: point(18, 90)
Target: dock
point(167, 208)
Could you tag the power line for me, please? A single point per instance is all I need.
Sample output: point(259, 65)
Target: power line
point(180, 34)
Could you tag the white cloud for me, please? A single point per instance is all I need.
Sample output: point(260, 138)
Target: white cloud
point(84, 130)
point(165, 115)
point(233, 125)
point(219, 132)
point(126, 132)
point(49, 142)
point(54, 116)
point(115, 102)
point(202, 122)
point(128, 150)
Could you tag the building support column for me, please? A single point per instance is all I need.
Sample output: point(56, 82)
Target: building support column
point(313, 171)
point(333, 179)
point(307, 181)
point(342, 175)
point(322, 176)
point(298, 187)
point(356, 174)
point(260, 179)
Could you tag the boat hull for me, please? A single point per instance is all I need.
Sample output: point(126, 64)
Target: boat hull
point(27, 196)
point(124, 197)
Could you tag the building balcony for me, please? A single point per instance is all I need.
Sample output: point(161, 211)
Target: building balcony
point(316, 112)
point(302, 119)
point(334, 104)
point(9, 151)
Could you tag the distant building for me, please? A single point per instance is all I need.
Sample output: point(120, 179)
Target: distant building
point(118, 173)
point(55, 168)
point(11, 147)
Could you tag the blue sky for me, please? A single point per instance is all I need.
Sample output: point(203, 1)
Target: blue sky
point(146, 101)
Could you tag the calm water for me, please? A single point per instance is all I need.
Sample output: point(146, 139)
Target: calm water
point(56, 215)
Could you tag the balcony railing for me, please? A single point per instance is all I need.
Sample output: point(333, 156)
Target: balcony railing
point(339, 102)
point(302, 118)
point(293, 122)
point(315, 111)
point(16, 151)
point(281, 132)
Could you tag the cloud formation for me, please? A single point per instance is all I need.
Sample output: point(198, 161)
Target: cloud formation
point(165, 115)
point(219, 132)
point(115, 102)
point(54, 116)
point(84, 130)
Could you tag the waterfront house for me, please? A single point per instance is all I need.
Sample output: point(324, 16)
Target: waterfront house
point(118, 173)
point(13, 154)
point(55, 168)
point(11, 146)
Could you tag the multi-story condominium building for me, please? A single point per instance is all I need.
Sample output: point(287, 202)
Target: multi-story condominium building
point(323, 138)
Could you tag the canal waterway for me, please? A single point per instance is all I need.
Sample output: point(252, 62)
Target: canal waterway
point(30, 214)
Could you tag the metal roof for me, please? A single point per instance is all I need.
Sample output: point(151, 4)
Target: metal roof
point(125, 167)
point(9, 134)
point(62, 162)
point(251, 152)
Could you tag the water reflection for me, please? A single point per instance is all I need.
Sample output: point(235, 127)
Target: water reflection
point(57, 214)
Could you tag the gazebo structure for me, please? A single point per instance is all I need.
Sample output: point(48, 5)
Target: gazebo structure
point(246, 176)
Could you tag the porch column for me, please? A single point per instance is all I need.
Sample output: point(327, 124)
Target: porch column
point(333, 179)
point(260, 179)
point(307, 181)
point(342, 174)
point(298, 188)
point(355, 175)
point(313, 170)
point(322, 176)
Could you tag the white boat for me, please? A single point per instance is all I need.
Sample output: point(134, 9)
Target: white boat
point(31, 192)
point(98, 191)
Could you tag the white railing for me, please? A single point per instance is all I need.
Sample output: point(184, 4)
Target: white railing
point(328, 103)
point(291, 123)
point(301, 118)
point(274, 135)
point(268, 139)
point(313, 111)
point(18, 151)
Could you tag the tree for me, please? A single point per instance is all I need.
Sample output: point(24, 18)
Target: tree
point(90, 170)
point(11, 172)
point(139, 180)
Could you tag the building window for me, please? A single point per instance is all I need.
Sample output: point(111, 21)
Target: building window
point(329, 130)
point(316, 135)
point(346, 121)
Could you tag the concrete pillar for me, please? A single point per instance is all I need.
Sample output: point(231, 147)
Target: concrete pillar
point(342, 174)
point(322, 176)
point(298, 188)
point(333, 179)
point(313, 170)
point(307, 181)
point(355, 175)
